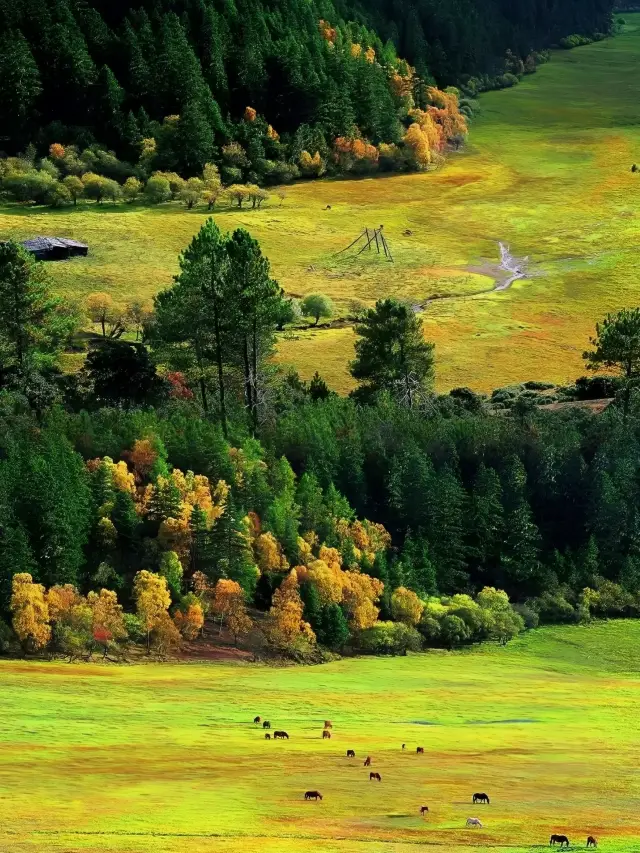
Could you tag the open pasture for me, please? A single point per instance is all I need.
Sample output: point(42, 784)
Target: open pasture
point(547, 171)
point(166, 757)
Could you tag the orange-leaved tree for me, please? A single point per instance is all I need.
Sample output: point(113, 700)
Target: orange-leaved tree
point(286, 628)
point(229, 606)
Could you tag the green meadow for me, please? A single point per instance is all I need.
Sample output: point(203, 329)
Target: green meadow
point(546, 170)
point(165, 757)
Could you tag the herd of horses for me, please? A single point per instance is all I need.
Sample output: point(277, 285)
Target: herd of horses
point(480, 797)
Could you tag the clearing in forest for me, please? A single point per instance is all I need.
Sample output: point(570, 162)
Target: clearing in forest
point(547, 171)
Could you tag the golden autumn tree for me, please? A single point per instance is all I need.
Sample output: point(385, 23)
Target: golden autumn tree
point(108, 618)
point(418, 144)
point(286, 628)
point(30, 612)
point(152, 601)
point(269, 554)
point(228, 605)
point(250, 114)
point(189, 620)
point(360, 594)
point(406, 606)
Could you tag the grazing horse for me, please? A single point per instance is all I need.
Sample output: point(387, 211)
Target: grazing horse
point(424, 809)
point(266, 724)
point(591, 841)
point(328, 724)
point(480, 798)
point(474, 821)
point(281, 735)
point(559, 839)
point(267, 736)
point(375, 776)
point(313, 795)
point(367, 761)
point(351, 753)
point(420, 750)
point(326, 735)
point(403, 745)
point(256, 719)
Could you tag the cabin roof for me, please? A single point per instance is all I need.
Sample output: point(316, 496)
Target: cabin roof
point(41, 244)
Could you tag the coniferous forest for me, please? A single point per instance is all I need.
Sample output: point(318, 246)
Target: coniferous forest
point(265, 90)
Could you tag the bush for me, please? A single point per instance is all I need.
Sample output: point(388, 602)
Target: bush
point(534, 385)
point(597, 387)
point(7, 638)
point(528, 614)
point(390, 638)
point(554, 607)
point(157, 190)
point(453, 631)
point(58, 195)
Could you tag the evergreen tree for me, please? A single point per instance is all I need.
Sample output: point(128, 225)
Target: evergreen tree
point(20, 83)
point(334, 632)
point(391, 352)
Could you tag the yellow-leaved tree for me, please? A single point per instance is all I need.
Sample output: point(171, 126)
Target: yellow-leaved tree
point(30, 612)
point(229, 606)
point(152, 602)
point(406, 606)
point(286, 628)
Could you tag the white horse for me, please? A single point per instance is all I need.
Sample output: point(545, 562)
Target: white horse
point(474, 821)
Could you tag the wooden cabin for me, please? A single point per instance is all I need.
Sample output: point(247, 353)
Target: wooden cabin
point(55, 248)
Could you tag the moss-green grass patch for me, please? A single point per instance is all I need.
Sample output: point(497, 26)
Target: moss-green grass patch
point(165, 757)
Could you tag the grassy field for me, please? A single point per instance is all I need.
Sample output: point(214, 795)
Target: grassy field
point(164, 757)
point(547, 170)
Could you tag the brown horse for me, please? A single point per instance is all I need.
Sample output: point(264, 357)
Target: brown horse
point(313, 795)
point(266, 724)
point(424, 809)
point(328, 724)
point(375, 776)
point(367, 761)
point(420, 750)
point(559, 839)
point(351, 753)
point(267, 736)
point(280, 735)
point(591, 841)
point(256, 719)
point(326, 735)
point(481, 798)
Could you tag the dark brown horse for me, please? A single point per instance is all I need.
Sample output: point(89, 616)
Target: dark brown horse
point(266, 724)
point(328, 724)
point(267, 736)
point(367, 761)
point(313, 795)
point(559, 839)
point(481, 798)
point(326, 735)
point(375, 776)
point(424, 809)
point(256, 719)
point(351, 753)
point(591, 841)
point(280, 735)
point(419, 750)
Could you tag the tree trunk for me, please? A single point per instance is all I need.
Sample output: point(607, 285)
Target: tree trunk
point(216, 328)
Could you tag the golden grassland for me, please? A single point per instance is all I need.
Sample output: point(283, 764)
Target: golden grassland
point(547, 170)
point(165, 757)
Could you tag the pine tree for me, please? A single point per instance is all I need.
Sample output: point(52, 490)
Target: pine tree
point(193, 141)
point(335, 628)
point(109, 97)
point(20, 83)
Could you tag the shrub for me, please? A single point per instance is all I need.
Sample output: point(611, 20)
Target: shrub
point(554, 607)
point(390, 638)
point(157, 190)
point(453, 631)
point(58, 195)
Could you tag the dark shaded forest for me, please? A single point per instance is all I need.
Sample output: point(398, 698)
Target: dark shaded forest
point(86, 72)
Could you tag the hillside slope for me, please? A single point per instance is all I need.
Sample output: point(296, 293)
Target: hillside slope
point(90, 70)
